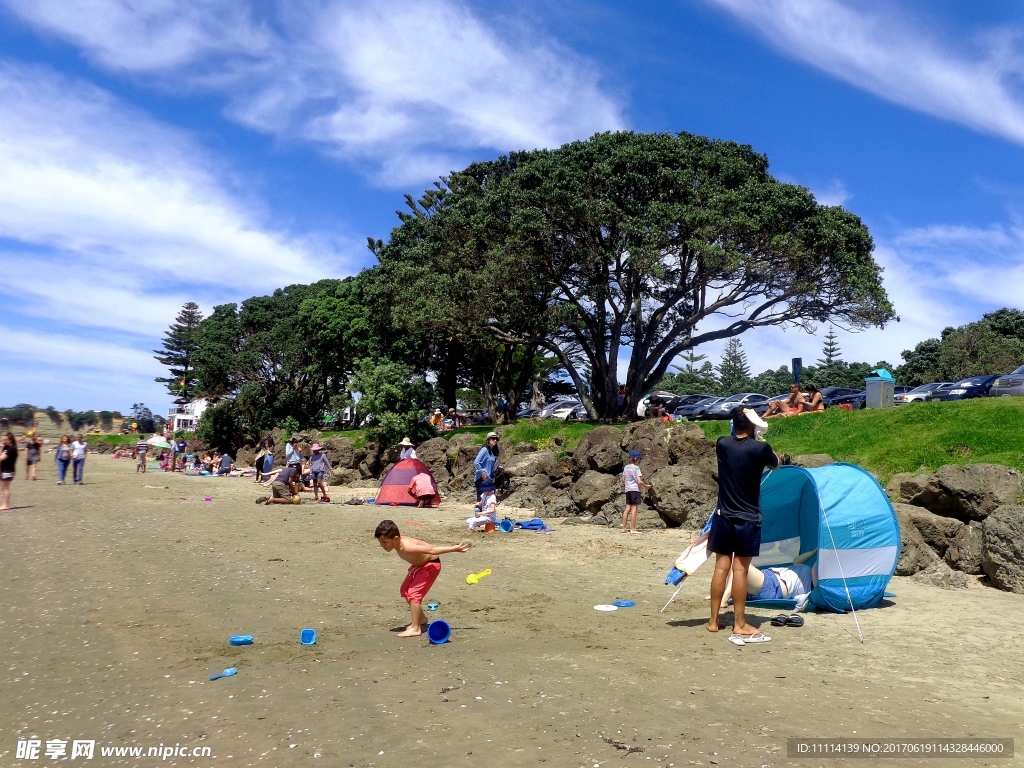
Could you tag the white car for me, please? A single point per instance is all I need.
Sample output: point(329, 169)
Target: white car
point(563, 411)
point(564, 406)
point(919, 394)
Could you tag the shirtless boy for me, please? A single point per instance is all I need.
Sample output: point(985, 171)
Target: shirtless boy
point(424, 568)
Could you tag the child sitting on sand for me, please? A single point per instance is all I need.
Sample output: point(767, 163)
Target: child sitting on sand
point(424, 568)
point(486, 512)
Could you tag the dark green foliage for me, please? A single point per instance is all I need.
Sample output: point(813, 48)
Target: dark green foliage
point(180, 345)
point(144, 417)
point(394, 400)
point(20, 415)
point(772, 383)
point(221, 428)
point(54, 415)
point(994, 344)
point(634, 240)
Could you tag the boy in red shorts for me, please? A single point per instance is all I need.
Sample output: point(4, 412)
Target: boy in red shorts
point(424, 568)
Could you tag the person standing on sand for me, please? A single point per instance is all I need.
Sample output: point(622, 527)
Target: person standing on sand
point(62, 455)
point(79, 449)
point(735, 536)
point(424, 568)
point(33, 448)
point(486, 459)
point(141, 452)
point(631, 483)
point(8, 463)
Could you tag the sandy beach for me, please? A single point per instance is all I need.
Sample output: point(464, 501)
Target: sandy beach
point(120, 595)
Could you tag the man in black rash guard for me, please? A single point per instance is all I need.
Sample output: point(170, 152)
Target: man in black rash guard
point(735, 535)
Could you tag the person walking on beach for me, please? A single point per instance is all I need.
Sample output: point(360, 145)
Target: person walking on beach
point(63, 458)
point(292, 455)
point(257, 461)
point(424, 568)
point(319, 471)
point(486, 460)
point(79, 449)
point(735, 536)
point(141, 452)
point(8, 462)
point(33, 448)
point(632, 482)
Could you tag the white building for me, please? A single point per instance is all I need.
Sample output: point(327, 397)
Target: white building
point(185, 416)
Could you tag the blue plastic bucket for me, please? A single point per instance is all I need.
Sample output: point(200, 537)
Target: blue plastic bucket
point(438, 632)
point(307, 637)
point(506, 526)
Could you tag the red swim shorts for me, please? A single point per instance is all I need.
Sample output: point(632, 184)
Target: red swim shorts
point(419, 580)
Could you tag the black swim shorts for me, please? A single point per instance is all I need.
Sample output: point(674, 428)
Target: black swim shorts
point(730, 536)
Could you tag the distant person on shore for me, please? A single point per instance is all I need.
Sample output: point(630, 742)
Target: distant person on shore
point(79, 450)
point(33, 449)
point(319, 471)
point(226, 465)
point(486, 512)
point(790, 406)
point(421, 488)
point(437, 420)
point(285, 485)
point(62, 455)
point(8, 463)
point(632, 483)
point(424, 568)
point(293, 455)
point(735, 536)
point(141, 453)
point(257, 461)
point(408, 449)
point(816, 404)
point(486, 460)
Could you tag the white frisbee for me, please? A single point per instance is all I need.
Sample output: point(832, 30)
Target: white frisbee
point(606, 607)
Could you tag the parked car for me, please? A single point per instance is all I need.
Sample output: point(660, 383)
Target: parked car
point(549, 409)
point(579, 413)
point(696, 409)
point(562, 411)
point(918, 394)
point(527, 413)
point(858, 400)
point(975, 386)
point(901, 389)
point(722, 409)
point(1009, 384)
point(835, 395)
point(643, 405)
point(760, 408)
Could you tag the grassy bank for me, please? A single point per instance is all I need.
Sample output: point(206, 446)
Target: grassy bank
point(905, 439)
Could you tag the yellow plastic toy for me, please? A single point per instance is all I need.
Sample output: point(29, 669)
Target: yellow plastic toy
point(473, 578)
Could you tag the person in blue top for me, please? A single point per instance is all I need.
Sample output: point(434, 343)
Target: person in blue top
point(485, 462)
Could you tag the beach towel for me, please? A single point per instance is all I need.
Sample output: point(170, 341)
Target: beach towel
point(691, 558)
point(531, 525)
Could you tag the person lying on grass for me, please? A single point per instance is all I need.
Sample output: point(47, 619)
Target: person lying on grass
point(424, 568)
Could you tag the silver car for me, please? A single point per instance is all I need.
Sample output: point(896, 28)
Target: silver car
point(918, 394)
point(1008, 384)
point(722, 409)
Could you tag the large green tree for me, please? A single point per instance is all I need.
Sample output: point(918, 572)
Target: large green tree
point(655, 244)
point(180, 345)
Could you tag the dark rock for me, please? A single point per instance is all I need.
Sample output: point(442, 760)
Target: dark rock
point(1002, 548)
point(558, 503)
point(912, 486)
point(593, 490)
point(343, 476)
point(682, 490)
point(341, 451)
point(524, 498)
point(527, 465)
point(892, 488)
point(538, 482)
point(940, 575)
point(936, 530)
point(964, 552)
point(970, 491)
point(522, 448)
point(812, 460)
point(562, 482)
point(915, 554)
point(599, 451)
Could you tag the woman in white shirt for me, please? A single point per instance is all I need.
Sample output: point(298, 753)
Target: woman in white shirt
point(408, 449)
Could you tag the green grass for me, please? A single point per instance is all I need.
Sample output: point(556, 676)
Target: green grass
point(905, 439)
point(357, 436)
point(542, 434)
point(114, 439)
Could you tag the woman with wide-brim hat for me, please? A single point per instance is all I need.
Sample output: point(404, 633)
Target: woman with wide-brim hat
point(408, 449)
point(485, 462)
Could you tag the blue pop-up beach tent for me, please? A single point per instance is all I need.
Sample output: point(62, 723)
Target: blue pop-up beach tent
point(841, 511)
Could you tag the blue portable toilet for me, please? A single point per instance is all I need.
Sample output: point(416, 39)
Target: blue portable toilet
point(841, 511)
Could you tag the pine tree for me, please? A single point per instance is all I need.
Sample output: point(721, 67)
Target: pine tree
point(181, 342)
point(733, 371)
point(831, 351)
point(691, 358)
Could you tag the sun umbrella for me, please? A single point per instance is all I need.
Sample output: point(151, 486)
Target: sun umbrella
point(157, 441)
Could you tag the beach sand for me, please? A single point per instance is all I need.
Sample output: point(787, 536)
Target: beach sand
point(119, 599)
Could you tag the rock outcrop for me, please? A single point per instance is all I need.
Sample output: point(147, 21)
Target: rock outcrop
point(970, 491)
point(1002, 548)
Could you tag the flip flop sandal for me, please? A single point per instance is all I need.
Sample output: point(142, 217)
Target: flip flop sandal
point(794, 621)
point(737, 640)
point(780, 620)
point(757, 637)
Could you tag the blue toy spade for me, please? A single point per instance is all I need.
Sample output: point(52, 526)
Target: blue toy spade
point(229, 672)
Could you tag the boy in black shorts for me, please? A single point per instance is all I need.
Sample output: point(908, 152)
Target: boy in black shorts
point(735, 535)
point(632, 484)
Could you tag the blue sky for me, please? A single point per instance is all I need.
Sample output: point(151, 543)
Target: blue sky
point(160, 152)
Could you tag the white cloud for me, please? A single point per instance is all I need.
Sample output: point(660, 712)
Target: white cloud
point(876, 49)
point(410, 90)
point(150, 35)
point(115, 221)
point(835, 193)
